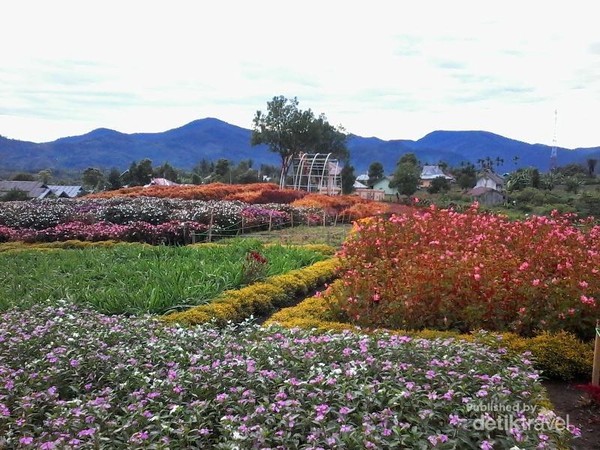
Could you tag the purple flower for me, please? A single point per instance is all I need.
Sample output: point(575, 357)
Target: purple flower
point(87, 432)
point(486, 445)
point(26, 440)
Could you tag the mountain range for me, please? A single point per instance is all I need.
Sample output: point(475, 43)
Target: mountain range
point(212, 139)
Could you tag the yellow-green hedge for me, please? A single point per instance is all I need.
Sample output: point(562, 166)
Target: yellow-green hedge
point(259, 299)
point(71, 244)
point(559, 355)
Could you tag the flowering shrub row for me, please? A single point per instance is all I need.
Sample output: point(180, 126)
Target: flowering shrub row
point(165, 233)
point(441, 269)
point(213, 191)
point(158, 218)
point(135, 383)
point(258, 299)
point(560, 356)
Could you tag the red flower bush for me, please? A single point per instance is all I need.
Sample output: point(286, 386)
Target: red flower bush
point(206, 192)
point(447, 270)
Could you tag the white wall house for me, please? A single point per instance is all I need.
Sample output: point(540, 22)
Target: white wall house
point(488, 179)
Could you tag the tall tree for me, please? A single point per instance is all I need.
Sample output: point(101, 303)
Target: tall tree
point(407, 175)
point(591, 163)
point(375, 173)
point(466, 176)
point(114, 179)
point(93, 179)
point(348, 179)
point(289, 131)
point(167, 171)
point(45, 175)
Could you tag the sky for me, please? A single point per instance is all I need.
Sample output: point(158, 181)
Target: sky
point(527, 70)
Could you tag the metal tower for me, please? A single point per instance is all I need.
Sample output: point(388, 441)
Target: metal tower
point(553, 151)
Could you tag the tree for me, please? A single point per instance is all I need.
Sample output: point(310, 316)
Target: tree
point(439, 184)
point(139, 174)
point(167, 171)
point(348, 179)
point(23, 176)
point(289, 131)
point(466, 176)
point(44, 176)
point(407, 175)
point(375, 173)
point(93, 179)
point(114, 179)
point(591, 162)
point(573, 184)
point(222, 170)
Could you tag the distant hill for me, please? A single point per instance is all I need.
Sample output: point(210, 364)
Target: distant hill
point(212, 139)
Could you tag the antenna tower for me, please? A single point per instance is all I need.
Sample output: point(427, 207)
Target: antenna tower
point(553, 151)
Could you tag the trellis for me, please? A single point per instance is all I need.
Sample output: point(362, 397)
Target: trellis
point(318, 172)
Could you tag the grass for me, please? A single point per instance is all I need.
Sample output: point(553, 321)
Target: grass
point(303, 234)
point(135, 279)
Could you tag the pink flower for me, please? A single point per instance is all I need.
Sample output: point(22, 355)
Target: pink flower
point(588, 300)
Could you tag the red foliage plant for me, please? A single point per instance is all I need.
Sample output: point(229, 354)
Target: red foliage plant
point(437, 268)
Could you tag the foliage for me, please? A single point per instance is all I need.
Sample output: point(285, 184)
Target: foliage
point(14, 195)
point(348, 178)
point(93, 179)
point(466, 176)
point(136, 278)
point(573, 184)
point(135, 383)
point(448, 270)
point(23, 176)
point(439, 184)
point(407, 175)
point(375, 173)
point(254, 267)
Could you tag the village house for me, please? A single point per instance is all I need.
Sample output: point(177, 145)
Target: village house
point(430, 173)
point(489, 189)
point(39, 190)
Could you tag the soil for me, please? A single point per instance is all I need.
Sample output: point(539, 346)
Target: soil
point(574, 404)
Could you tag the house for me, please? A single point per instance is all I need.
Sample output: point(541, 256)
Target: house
point(62, 191)
point(489, 179)
point(161, 182)
point(489, 189)
point(39, 190)
point(431, 172)
point(370, 194)
point(486, 196)
point(363, 178)
point(33, 189)
point(384, 185)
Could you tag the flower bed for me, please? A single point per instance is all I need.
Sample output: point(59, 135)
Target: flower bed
point(147, 219)
point(135, 383)
point(559, 356)
point(465, 271)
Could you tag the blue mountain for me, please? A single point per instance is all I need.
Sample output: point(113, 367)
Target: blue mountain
point(212, 139)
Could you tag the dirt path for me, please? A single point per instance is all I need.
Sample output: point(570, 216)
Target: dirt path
point(573, 404)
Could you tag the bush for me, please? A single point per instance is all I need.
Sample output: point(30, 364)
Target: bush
point(465, 271)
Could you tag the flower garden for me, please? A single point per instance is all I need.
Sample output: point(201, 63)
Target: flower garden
point(126, 345)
